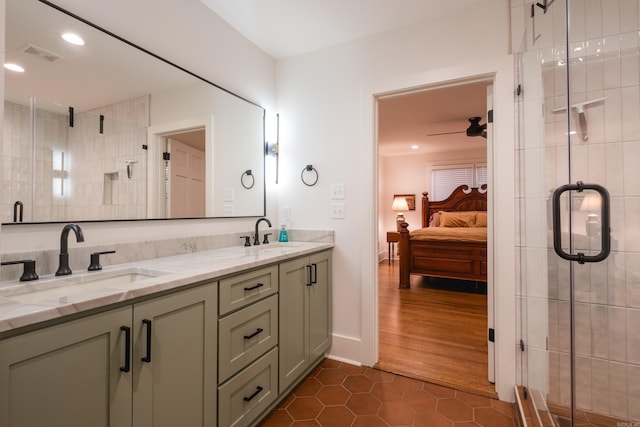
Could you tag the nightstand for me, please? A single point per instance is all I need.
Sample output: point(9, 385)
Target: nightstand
point(393, 237)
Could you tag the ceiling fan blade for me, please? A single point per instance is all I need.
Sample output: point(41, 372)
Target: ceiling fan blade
point(446, 133)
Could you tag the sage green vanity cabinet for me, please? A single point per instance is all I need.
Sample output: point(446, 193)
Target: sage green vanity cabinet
point(222, 353)
point(78, 373)
point(247, 346)
point(174, 374)
point(68, 374)
point(305, 315)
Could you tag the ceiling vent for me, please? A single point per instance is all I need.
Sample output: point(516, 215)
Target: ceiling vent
point(42, 53)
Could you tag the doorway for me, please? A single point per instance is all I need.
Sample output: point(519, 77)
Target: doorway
point(432, 331)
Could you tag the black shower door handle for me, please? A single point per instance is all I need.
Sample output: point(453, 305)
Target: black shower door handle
point(605, 233)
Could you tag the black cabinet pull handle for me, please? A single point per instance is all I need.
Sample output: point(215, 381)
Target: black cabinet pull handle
point(147, 358)
point(255, 393)
point(259, 285)
point(605, 233)
point(248, 337)
point(127, 349)
point(314, 279)
point(309, 282)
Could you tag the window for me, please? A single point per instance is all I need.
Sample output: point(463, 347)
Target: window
point(445, 179)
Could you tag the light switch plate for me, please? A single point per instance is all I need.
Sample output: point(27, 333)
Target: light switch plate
point(285, 214)
point(337, 210)
point(337, 191)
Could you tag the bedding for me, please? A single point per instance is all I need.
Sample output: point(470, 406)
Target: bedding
point(453, 240)
point(450, 234)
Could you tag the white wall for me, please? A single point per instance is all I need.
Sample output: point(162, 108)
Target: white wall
point(189, 34)
point(325, 101)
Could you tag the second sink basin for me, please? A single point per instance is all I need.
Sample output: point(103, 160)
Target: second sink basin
point(78, 287)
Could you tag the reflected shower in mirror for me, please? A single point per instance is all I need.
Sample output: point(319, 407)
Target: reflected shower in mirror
point(108, 131)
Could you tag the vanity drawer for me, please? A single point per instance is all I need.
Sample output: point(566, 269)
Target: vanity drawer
point(249, 393)
point(245, 335)
point(244, 289)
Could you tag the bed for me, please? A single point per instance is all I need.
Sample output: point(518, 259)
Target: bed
point(457, 247)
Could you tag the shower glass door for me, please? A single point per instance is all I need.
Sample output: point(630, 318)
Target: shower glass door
point(579, 123)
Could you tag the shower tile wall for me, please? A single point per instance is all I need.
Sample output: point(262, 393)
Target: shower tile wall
point(93, 163)
point(604, 62)
point(102, 187)
point(51, 135)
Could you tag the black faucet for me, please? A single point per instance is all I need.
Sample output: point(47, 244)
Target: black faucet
point(256, 238)
point(63, 267)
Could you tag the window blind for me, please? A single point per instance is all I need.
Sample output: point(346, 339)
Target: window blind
point(447, 178)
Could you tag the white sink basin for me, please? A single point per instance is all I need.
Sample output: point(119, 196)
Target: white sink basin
point(79, 287)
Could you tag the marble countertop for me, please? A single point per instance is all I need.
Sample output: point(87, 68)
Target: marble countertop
point(28, 303)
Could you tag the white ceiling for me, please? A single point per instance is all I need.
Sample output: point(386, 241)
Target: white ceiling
point(284, 28)
point(412, 119)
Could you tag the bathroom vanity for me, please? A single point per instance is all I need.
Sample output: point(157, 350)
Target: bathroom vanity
point(238, 326)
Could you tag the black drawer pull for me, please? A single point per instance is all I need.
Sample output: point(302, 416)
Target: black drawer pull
point(127, 349)
point(248, 337)
point(255, 393)
point(147, 358)
point(259, 285)
point(309, 277)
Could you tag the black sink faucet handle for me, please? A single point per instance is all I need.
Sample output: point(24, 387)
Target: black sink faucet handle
point(95, 260)
point(266, 238)
point(29, 271)
point(247, 241)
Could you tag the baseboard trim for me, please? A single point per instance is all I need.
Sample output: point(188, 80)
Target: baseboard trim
point(346, 349)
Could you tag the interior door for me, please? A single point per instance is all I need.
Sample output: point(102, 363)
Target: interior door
point(187, 181)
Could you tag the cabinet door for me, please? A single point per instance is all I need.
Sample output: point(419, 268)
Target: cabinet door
point(68, 374)
point(174, 381)
point(320, 305)
point(294, 326)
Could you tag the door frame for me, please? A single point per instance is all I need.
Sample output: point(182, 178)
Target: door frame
point(488, 106)
point(503, 275)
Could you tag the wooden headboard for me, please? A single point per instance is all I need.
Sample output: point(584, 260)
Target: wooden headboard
point(462, 198)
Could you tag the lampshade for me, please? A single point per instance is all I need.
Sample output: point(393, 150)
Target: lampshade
point(591, 202)
point(400, 204)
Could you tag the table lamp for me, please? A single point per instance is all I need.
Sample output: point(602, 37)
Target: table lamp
point(399, 205)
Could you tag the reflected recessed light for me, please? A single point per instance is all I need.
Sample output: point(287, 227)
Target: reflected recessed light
point(73, 39)
point(414, 147)
point(14, 67)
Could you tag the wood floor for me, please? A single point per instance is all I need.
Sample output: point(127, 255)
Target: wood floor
point(434, 331)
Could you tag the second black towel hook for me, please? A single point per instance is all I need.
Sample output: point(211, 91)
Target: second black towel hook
point(310, 182)
point(248, 174)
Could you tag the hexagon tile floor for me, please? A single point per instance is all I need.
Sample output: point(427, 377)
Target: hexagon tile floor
point(337, 394)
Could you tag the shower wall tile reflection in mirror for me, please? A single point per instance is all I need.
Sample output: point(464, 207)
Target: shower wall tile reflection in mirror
point(80, 172)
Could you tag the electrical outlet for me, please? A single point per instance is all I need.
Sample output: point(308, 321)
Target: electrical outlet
point(337, 191)
point(337, 211)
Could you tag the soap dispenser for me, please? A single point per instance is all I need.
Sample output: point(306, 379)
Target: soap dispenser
point(284, 237)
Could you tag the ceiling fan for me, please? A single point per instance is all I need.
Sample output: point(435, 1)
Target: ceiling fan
point(474, 129)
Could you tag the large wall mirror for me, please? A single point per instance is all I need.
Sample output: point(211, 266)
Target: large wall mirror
point(107, 131)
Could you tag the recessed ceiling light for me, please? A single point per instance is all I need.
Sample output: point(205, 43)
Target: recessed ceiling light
point(14, 67)
point(73, 39)
point(414, 147)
